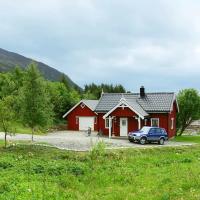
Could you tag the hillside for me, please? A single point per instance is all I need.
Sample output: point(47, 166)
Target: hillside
point(9, 60)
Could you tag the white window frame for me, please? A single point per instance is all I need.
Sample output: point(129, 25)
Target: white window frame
point(107, 122)
point(172, 123)
point(82, 105)
point(155, 119)
point(77, 119)
point(95, 120)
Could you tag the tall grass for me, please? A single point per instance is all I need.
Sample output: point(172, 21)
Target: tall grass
point(34, 172)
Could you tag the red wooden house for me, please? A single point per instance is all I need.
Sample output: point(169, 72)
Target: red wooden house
point(117, 114)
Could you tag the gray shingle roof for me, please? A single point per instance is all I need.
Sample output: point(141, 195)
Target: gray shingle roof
point(91, 103)
point(133, 103)
point(153, 102)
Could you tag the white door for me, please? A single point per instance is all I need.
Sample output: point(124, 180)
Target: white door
point(123, 126)
point(85, 122)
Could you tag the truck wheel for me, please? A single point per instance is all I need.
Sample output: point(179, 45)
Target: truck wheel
point(161, 141)
point(143, 140)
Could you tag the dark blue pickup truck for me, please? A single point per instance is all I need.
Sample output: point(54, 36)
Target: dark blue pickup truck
point(148, 134)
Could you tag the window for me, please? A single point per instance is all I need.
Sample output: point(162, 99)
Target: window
point(172, 123)
point(123, 122)
point(107, 123)
point(155, 131)
point(158, 131)
point(82, 105)
point(145, 122)
point(76, 119)
point(95, 120)
point(155, 122)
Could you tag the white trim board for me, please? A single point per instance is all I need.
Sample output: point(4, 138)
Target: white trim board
point(172, 104)
point(82, 101)
point(118, 105)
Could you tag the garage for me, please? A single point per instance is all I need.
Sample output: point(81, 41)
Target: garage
point(85, 122)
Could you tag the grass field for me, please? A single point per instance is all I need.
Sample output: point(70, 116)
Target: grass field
point(187, 138)
point(20, 128)
point(36, 173)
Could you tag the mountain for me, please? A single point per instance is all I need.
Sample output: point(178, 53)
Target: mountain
point(9, 60)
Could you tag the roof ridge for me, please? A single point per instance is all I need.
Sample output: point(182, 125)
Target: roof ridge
point(148, 93)
point(115, 93)
point(90, 100)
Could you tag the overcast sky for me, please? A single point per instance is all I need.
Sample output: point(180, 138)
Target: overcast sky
point(147, 42)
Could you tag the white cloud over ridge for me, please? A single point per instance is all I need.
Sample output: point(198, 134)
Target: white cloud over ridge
point(152, 43)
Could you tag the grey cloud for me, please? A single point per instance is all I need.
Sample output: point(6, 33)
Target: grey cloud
point(155, 43)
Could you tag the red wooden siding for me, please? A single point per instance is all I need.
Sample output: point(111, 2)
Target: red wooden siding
point(101, 124)
point(123, 112)
point(78, 112)
point(164, 120)
point(171, 115)
point(127, 113)
point(119, 112)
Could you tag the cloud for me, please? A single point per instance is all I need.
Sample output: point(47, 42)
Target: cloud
point(153, 43)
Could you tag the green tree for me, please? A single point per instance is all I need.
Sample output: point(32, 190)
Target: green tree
point(37, 108)
point(64, 81)
point(7, 116)
point(95, 91)
point(189, 105)
point(62, 98)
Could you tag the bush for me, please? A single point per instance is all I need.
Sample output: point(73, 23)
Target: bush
point(77, 170)
point(55, 171)
point(97, 151)
point(4, 187)
point(38, 169)
point(5, 165)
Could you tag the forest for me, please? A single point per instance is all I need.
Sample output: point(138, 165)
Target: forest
point(27, 98)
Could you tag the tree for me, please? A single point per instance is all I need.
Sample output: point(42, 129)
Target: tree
point(64, 81)
point(95, 91)
point(6, 116)
point(62, 98)
point(189, 105)
point(36, 104)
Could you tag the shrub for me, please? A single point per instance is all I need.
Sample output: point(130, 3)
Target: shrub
point(5, 165)
point(4, 187)
point(97, 151)
point(38, 169)
point(55, 171)
point(186, 160)
point(77, 170)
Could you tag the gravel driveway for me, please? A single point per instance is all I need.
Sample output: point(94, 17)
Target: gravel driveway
point(79, 141)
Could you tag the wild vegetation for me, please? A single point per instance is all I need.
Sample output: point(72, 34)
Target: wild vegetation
point(189, 109)
point(34, 172)
point(38, 104)
point(93, 91)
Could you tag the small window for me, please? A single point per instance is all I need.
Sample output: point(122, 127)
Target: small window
point(107, 123)
point(155, 122)
point(124, 122)
point(145, 122)
point(158, 131)
point(172, 123)
point(77, 119)
point(95, 120)
point(82, 105)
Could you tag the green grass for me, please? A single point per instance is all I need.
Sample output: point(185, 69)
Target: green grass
point(187, 138)
point(36, 173)
point(20, 128)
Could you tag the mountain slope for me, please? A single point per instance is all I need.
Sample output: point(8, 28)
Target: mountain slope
point(9, 60)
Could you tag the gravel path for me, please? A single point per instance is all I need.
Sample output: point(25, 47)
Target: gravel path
point(79, 141)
